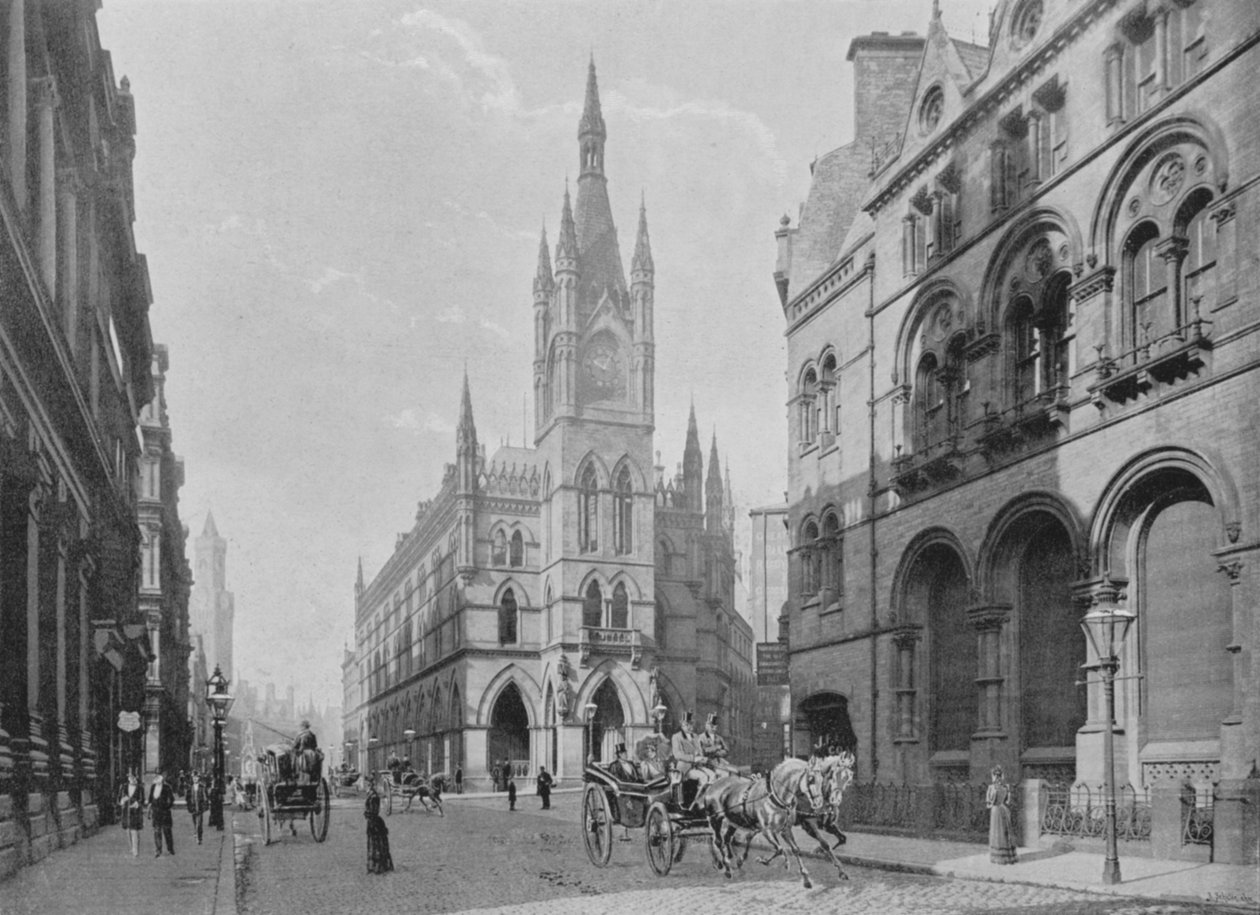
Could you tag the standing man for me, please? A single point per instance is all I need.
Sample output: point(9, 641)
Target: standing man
point(161, 800)
point(494, 776)
point(198, 799)
point(544, 787)
point(511, 789)
point(686, 748)
point(459, 778)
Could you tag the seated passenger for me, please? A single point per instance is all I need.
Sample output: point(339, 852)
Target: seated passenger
point(622, 768)
point(690, 754)
point(651, 768)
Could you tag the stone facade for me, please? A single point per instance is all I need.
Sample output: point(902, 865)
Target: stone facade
point(74, 371)
point(1020, 389)
point(549, 599)
point(165, 579)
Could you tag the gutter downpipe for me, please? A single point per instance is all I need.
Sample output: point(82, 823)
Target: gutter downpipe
point(872, 493)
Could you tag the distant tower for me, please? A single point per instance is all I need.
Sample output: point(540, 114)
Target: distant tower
point(211, 607)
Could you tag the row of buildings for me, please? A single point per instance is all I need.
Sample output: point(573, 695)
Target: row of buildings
point(1023, 363)
point(94, 585)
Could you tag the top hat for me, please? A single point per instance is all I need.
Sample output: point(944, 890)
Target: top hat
point(711, 718)
point(688, 718)
point(621, 748)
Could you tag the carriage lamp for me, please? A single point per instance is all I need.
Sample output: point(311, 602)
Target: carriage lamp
point(1105, 627)
point(410, 734)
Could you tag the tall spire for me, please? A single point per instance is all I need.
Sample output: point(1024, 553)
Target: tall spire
point(358, 580)
point(210, 530)
point(592, 213)
point(543, 279)
point(566, 244)
point(466, 432)
point(591, 130)
point(713, 494)
point(693, 466)
point(642, 260)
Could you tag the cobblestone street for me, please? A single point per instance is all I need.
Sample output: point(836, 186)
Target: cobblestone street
point(480, 857)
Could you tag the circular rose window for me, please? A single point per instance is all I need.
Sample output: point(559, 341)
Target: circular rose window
point(1026, 22)
point(931, 110)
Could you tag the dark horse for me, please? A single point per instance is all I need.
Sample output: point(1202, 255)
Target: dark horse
point(764, 805)
point(413, 786)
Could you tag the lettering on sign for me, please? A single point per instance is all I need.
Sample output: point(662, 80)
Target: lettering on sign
point(772, 664)
point(129, 721)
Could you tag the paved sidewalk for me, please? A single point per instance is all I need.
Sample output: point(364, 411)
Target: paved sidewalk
point(1233, 887)
point(98, 876)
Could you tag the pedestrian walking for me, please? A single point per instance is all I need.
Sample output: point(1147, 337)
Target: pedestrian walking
point(198, 800)
point(511, 788)
point(544, 787)
point(161, 800)
point(131, 812)
point(379, 860)
point(997, 799)
point(459, 779)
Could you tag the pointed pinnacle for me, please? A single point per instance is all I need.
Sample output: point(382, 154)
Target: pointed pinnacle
point(592, 117)
point(566, 245)
point(642, 260)
point(543, 279)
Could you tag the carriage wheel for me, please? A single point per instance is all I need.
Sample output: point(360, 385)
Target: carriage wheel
point(322, 813)
point(265, 813)
point(597, 825)
point(659, 839)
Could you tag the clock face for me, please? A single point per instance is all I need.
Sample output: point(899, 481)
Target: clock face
point(602, 368)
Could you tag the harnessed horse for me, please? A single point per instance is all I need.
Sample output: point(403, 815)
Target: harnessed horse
point(836, 774)
point(767, 806)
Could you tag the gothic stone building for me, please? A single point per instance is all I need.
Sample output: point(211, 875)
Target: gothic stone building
point(75, 351)
point(1024, 357)
point(555, 600)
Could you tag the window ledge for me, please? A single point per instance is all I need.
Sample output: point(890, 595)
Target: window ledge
point(837, 607)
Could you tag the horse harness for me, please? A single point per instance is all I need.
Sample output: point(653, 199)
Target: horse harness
point(742, 803)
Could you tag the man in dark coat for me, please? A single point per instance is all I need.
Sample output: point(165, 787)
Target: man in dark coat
point(511, 790)
point(198, 798)
point(544, 787)
point(306, 754)
point(161, 800)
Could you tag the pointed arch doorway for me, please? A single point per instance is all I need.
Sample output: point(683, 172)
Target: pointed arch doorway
point(607, 725)
point(508, 737)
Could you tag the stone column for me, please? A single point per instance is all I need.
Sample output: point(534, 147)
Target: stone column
point(17, 101)
point(1114, 57)
point(907, 245)
point(38, 742)
point(1173, 251)
point(68, 190)
point(46, 101)
point(906, 640)
point(1226, 254)
point(1160, 15)
point(988, 620)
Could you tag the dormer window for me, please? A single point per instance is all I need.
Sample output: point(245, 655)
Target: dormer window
point(931, 110)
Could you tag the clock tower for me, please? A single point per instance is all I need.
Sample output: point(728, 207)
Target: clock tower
point(593, 400)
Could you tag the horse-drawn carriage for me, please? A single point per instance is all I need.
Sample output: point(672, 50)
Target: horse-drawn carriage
point(408, 786)
point(795, 792)
point(345, 780)
point(292, 787)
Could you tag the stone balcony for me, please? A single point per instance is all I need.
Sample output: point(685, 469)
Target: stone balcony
point(597, 640)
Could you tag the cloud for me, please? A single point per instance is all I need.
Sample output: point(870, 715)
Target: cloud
point(330, 275)
point(490, 82)
point(414, 421)
point(452, 315)
point(496, 328)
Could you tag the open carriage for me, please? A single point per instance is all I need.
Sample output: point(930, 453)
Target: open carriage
point(409, 786)
point(658, 806)
point(345, 781)
point(292, 787)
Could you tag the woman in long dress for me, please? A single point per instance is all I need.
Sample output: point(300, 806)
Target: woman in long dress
point(379, 860)
point(131, 811)
point(997, 799)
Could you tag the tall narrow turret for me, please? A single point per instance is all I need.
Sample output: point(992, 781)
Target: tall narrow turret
point(466, 443)
point(643, 301)
point(591, 130)
point(693, 466)
point(714, 495)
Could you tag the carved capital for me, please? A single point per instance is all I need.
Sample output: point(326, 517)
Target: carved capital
point(1093, 283)
point(988, 617)
point(44, 92)
point(1173, 249)
point(1223, 212)
point(1232, 567)
point(906, 636)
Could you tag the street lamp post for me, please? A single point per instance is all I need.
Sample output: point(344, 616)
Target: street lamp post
point(219, 701)
point(373, 742)
point(1105, 627)
point(410, 734)
point(591, 709)
point(658, 715)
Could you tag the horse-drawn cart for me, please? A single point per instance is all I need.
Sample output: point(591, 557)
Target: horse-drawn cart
point(654, 806)
point(293, 788)
point(409, 786)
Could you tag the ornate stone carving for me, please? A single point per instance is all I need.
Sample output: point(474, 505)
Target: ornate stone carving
point(1039, 260)
point(1232, 568)
point(1167, 177)
point(1232, 530)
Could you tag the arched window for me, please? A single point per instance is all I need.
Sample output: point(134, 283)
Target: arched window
point(623, 512)
point(593, 606)
point(1146, 287)
point(588, 511)
point(808, 552)
point(620, 607)
point(662, 559)
point(1056, 327)
point(834, 546)
point(517, 550)
point(659, 625)
point(928, 405)
point(807, 421)
point(828, 411)
point(1025, 351)
point(1198, 268)
point(507, 618)
point(498, 552)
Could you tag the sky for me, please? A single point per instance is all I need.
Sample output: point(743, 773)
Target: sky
point(340, 203)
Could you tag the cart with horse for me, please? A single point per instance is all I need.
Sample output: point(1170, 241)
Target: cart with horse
point(292, 788)
point(410, 786)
